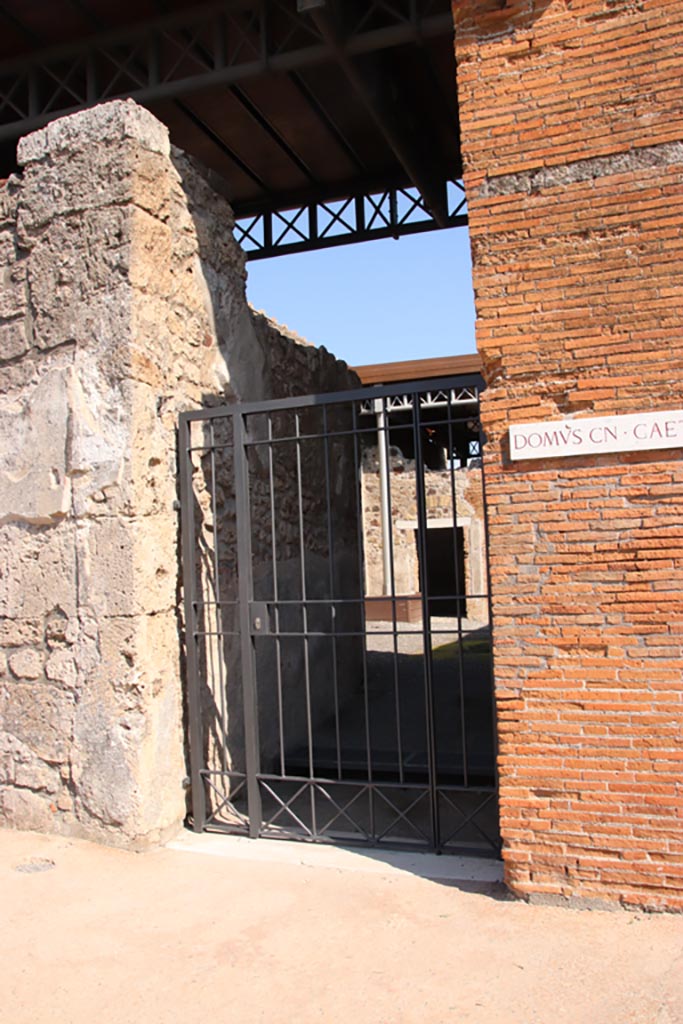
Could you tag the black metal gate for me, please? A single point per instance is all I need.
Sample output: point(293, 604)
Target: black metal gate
point(337, 618)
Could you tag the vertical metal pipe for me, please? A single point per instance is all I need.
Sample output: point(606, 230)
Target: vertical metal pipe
point(312, 222)
point(219, 652)
point(304, 611)
point(358, 473)
point(426, 624)
point(384, 502)
point(276, 596)
point(388, 550)
point(331, 569)
point(360, 213)
point(461, 592)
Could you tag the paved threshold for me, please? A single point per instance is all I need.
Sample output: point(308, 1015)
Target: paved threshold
point(446, 868)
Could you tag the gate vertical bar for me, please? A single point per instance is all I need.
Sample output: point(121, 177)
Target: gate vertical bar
point(276, 597)
point(461, 592)
point(245, 588)
point(304, 615)
point(426, 622)
point(187, 527)
point(220, 665)
point(358, 470)
point(331, 560)
point(383, 439)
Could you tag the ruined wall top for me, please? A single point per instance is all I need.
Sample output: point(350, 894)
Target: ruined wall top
point(113, 122)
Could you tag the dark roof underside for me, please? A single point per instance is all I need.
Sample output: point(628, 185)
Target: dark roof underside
point(287, 107)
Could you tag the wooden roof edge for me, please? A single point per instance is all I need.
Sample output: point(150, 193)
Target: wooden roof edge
point(418, 369)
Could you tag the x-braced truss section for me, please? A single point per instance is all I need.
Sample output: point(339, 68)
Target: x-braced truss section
point(380, 13)
point(391, 213)
point(441, 398)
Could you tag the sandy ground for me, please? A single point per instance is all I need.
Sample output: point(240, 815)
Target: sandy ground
point(262, 932)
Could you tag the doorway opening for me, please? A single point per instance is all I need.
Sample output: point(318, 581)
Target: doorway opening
point(318, 710)
point(445, 565)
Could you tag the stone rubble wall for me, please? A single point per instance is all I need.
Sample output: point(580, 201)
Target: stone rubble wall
point(293, 366)
point(122, 305)
point(288, 366)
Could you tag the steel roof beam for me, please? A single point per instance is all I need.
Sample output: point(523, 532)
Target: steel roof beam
point(19, 26)
point(39, 86)
point(226, 150)
point(255, 113)
point(324, 116)
point(417, 163)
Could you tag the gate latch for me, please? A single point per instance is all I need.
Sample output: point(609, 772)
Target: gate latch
point(259, 615)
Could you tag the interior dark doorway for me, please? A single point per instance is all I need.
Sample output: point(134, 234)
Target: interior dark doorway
point(444, 568)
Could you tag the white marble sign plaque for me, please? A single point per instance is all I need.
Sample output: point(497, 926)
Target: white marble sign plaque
point(595, 435)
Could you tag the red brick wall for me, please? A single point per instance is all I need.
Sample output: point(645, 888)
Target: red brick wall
point(572, 129)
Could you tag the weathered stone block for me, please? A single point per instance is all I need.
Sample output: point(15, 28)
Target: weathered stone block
point(98, 428)
point(20, 632)
point(26, 664)
point(37, 571)
point(21, 808)
point(124, 566)
point(139, 654)
point(67, 270)
point(104, 763)
point(61, 668)
point(8, 206)
point(13, 298)
point(60, 629)
point(142, 481)
point(37, 776)
point(14, 340)
point(34, 487)
point(40, 716)
point(8, 246)
point(94, 152)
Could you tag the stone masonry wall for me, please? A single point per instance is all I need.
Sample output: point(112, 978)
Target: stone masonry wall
point(112, 333)
point(572, 129)
point(122, 304)
point(316, 554)
point(287, 366)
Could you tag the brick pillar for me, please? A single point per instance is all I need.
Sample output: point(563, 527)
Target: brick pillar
point(108, 321)
point(572, 130)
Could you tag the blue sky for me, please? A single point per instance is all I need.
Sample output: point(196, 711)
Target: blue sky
point(375, 302)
